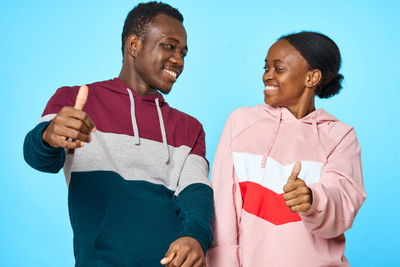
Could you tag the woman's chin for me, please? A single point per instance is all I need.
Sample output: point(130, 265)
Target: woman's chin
point(269, 101)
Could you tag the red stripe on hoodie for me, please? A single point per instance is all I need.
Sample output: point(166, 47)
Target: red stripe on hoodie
point(266, 204)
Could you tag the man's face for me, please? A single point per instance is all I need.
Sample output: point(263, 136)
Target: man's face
point(160, 59)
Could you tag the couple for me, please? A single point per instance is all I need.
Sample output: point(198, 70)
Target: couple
point(287, 178)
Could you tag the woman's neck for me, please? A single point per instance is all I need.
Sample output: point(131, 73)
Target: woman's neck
point(304, 106)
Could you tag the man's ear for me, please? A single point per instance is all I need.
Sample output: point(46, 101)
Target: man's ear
point(132, 45)
point(314, 78)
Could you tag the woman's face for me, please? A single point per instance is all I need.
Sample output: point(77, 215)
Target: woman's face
point(285, 76)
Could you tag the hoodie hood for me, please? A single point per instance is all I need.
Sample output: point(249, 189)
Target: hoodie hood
point(120, 87)
point(283, 115)
point(319, 115)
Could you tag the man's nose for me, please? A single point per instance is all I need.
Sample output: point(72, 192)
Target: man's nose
point(177, 59)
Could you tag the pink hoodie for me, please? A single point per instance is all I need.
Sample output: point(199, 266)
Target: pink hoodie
point(255, 156)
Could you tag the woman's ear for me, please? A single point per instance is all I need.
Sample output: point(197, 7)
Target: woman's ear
point(314, 78)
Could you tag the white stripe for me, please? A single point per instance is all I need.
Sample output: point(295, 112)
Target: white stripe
point(47, 117)
point(275, 175)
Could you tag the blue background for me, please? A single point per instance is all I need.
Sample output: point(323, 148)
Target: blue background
point(47, 44)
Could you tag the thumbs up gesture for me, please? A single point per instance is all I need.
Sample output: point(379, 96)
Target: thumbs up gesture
point(71, 127)
point(81, 97)
point(297, 194)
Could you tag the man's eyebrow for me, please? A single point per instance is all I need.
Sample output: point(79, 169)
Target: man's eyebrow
point(177, 41)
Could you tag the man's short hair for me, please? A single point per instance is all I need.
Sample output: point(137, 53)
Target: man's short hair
point(139, 18)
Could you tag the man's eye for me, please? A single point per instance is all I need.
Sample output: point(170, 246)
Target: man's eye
point(279, 69)
point(266, 69)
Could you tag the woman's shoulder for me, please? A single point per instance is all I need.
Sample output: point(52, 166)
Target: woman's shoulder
point(252, 113)
point(332, 125)
point(245, 117)
point(244, 114)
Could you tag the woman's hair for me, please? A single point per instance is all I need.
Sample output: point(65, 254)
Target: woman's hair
point(321, 53)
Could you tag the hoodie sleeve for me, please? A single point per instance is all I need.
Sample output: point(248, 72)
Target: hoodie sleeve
point(36, 153)
point(40, 156)
point(228, 203)
point(195, 196)
point(340, 193)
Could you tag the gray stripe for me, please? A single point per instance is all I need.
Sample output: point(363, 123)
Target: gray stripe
point(118, 153)
point(195, 170)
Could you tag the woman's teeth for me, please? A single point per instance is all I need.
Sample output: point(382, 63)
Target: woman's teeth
point(271, 87)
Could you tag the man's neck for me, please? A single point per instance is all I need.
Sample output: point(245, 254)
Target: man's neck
point(131, 80)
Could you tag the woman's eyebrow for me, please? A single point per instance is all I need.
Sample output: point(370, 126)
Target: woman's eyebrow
point(274, 61)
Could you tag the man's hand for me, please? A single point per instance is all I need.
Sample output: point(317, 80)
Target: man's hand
point(297, 194)
point(71, 123)
point(186, 252)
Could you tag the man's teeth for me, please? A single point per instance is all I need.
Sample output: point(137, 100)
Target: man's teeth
point(270, 87)
point(171, 73)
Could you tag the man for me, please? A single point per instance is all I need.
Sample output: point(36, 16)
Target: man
point(135, 168)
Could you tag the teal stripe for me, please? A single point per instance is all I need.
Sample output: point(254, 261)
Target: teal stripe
point(116, 220)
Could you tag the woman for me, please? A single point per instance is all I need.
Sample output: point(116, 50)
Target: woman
point(287, 177)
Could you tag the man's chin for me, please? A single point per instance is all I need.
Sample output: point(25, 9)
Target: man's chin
point(165, 91)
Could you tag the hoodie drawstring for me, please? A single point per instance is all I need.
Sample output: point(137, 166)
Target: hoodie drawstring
point(272, 140)
point(133, 117)
point(136, 129)
point(163, 134)
point(316, 135)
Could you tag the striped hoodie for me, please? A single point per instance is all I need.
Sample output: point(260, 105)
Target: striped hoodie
point(141, 183)
point(255, 156)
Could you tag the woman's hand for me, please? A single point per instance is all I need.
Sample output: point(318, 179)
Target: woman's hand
point(297, 194)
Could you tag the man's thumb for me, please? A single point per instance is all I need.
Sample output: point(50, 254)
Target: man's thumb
point(169, 256)
point(81, 98)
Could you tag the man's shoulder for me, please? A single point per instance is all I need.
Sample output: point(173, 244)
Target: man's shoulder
point(103, 83)
point(70, 91)
point(185, 118)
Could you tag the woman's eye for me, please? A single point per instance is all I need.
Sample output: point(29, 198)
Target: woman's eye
point(169, 47)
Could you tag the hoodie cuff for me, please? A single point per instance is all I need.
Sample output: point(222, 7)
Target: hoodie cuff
point(38, 142)
point(196, 231)
point(316, 200)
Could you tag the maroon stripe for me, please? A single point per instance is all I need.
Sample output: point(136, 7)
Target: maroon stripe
point(108, 105)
